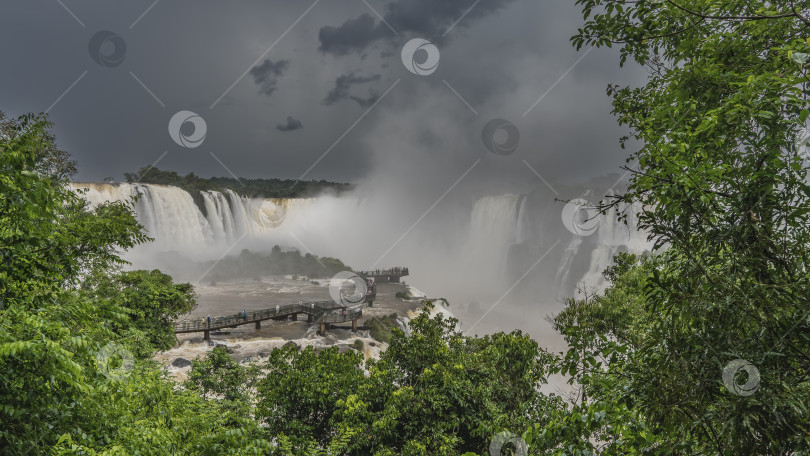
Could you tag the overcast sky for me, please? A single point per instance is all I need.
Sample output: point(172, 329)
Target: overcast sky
point(315, 89)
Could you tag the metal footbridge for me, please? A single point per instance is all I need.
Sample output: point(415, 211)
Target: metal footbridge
point(319, 312)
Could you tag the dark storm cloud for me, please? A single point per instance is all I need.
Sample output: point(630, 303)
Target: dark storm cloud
point(504, 55)
point(354, 34)
point(292, 124)
point(267, 74)
point(429, 19)
point(343, 85)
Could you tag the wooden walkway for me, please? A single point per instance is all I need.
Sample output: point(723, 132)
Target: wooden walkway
point(320, 312)
point(385, 275)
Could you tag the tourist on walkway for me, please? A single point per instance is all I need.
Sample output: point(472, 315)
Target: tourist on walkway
point(244, 314)
point(208, 319)
point(276, 309)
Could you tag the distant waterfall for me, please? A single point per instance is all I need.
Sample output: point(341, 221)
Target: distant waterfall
point(171, 216)
point(513, 236)
point(493, 229)
point(509, 244)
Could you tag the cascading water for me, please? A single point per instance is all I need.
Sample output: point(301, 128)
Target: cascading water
point(493, 229)
point(509, 234)
point(171, 216)
point(514, 244)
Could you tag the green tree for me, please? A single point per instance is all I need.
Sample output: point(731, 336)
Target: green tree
point(301, 390)
point(152, 301)
point(438, 392)
point(220, 376)
point(55, 334)
point(721, 181)
point(47, 238)
point(433, 392)
point(49, 159)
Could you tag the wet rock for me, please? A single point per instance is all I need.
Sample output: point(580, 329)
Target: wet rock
point(181, 362)
point(249, 359)
point(292, 344)
point(372, 344)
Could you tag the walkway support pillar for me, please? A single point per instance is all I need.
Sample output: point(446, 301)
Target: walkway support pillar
point(258, 324)
point(323, 328)
point(294, 317)
point(207, 335)
point(354, 325)
point(310, 318)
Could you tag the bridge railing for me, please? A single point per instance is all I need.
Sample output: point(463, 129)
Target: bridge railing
point(319, 310)
point(397, 271)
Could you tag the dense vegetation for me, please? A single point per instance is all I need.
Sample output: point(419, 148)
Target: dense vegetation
point(76, 333)
point(722, 186)
point(277, 262)
point(721, 178)
point(254, 188)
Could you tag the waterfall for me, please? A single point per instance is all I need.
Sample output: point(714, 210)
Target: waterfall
point(511, 246)
point(614, 236)
point(493, 229)
point(509, 234)
point(564, 269)
point(171, 216)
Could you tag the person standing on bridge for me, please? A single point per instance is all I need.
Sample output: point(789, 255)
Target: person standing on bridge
point(244, 314)
point(276, 309)
point(208, 320)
